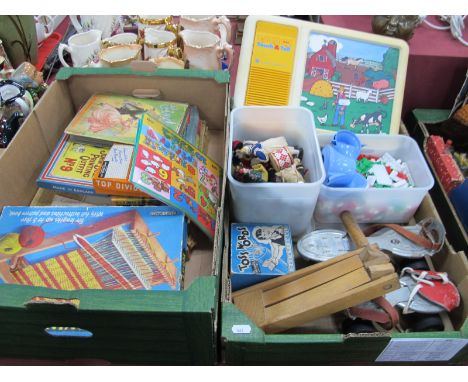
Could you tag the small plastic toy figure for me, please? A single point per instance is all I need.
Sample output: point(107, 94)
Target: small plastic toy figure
point(272, 160)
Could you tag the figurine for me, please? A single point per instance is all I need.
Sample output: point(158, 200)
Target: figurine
point(272, 160)
point(396, 25)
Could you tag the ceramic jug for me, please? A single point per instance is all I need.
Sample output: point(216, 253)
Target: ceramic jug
point(218, 25)
point(120, 39)
point(83, 48)
point(158, 43)
point(204, 50)
point(108, 25)
point(44, 27)
point(159, 22)
point(120, 55)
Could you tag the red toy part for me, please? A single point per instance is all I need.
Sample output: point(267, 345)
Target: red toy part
point(442, 291)
point(445, 166)
point(402, 175)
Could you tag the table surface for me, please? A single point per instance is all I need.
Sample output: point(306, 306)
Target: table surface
point(426, 41)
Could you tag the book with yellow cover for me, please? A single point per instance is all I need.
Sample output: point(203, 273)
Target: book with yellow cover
point(71, 167)
point(112, 177)
point(114, 118)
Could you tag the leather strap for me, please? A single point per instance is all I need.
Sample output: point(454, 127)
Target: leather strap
point(417, 239)
point(389, 315)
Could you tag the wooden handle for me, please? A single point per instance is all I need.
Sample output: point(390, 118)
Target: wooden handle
point(353, 230)
point(380, 270)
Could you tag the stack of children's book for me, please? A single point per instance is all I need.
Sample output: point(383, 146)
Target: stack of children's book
point(118, 150)
point(94, 154)
point(138, 152)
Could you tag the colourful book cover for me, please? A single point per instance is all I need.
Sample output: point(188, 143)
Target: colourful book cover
point(114, 118)
point(260, 252)
point(72, 248)
point(170, 169)
point(112, 176)
point(71, 167)
point(190, 133)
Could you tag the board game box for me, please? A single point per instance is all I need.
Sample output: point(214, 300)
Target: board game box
point(168, 168)
point(260, 252)
point(73, 248)
point(71, 167)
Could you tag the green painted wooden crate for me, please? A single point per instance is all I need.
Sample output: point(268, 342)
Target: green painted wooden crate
point(294, 348)
point(128, 327)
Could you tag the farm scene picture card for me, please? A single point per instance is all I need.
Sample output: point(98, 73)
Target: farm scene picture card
point(351, 84)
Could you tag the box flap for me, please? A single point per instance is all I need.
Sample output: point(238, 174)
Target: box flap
point(219, 76)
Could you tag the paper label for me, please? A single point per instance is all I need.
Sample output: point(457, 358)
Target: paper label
point(421, 349)
point(241, 329)
point(118, 161)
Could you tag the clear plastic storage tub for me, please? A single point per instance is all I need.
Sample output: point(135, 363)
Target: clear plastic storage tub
point(277, 203)
point(378, 205)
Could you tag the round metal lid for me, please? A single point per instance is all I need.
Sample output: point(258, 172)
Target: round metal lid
point(324, 244)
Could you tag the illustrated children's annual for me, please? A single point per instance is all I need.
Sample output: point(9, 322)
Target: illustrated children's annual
point(114, 118)
point(73, 248)
point(170, 169)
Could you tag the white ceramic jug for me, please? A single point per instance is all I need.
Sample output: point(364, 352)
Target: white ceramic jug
point(44, 27)
point(108, 25)
point(83, 48)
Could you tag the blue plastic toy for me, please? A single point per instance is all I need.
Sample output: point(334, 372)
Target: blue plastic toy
point(339, 159)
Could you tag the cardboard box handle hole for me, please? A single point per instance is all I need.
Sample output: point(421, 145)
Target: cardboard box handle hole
point(53, 301)
point(67, 331)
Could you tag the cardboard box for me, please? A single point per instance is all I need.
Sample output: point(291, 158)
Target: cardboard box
point(421, 124)
point(131, 327)
point(320, 342)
